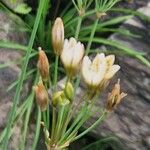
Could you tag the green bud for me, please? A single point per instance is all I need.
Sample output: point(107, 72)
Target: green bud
point(56, 98)
point(69, 91)
point(59, 98)
point(64, 100)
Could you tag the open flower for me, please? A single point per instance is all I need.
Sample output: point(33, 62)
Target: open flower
point(43, 65)
point(72, 55)
point(58, 36)
point(41, 95)
point(93, 72)
point(115, 97)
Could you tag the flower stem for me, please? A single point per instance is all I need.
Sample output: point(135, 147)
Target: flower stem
point(92, 36)
point(56, 72)
point(102, 117)
point(59, 122)
point(78, 27)
point(53, 123)
point(38, 127)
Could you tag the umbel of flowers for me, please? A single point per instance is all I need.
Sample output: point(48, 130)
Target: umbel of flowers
point(61, 127)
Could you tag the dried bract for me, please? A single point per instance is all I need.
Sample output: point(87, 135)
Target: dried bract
point(115, 97)
point(43, 65)
point(41, 95)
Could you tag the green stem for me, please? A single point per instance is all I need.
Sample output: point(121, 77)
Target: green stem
point(22, 76)
point(48, 117)
point(27, 121)
point(76, 121)
point(92, 126)
point(78, 27)
point(38, 127)
point(92, 36)
point(59, 122)
point(53, 123)
point(56, 72)
point(44, 118)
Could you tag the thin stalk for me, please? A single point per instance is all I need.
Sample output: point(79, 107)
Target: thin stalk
point(78, 118)
point(72, 112)
point(92, 126)
point(44, 118)
point(53, 123)
point(78, 27)
point(59, 122)
point(38, 127)
point(27, 121)
point(92, 36)
point(22, 76)
point(48, 117)
point(56, 72)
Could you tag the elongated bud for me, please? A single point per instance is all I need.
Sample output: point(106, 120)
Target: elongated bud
point(58, 36)
point(43, 65)
point(41, 95)
point(69, 90)
point(115, 97)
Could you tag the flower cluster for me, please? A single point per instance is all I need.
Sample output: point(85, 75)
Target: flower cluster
point(95, 73)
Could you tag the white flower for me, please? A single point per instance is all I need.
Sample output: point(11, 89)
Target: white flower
point(72, 55)
point(93, 72)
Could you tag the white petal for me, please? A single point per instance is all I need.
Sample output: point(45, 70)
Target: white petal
point(112, 71)
point(110, 59)
point(85, 70)
point(72, 42)
point(65, 44)
point(98, 77)
point(66, 57)
point(78, 54)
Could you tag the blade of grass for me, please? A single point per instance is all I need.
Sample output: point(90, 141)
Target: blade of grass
point(133, 12)
point(122, 47)
point(11, 45)
point(38, 127)
point(22, 76)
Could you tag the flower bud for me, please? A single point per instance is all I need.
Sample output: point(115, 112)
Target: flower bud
point(59, 98)
point(58, 36)
point(114, 98)
point(43, 65)
point(69, 90)
point(56, 98)
point(41, 95)
point(71, 56)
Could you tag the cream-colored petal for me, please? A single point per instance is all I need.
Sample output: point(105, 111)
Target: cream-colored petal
point(98, 77)
point(78, 54)
point(72, 42)
point(99, 59)
point(66, 57)
point(110, 59)
point(65, 44)
point(112, 71)
point(85, 70)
